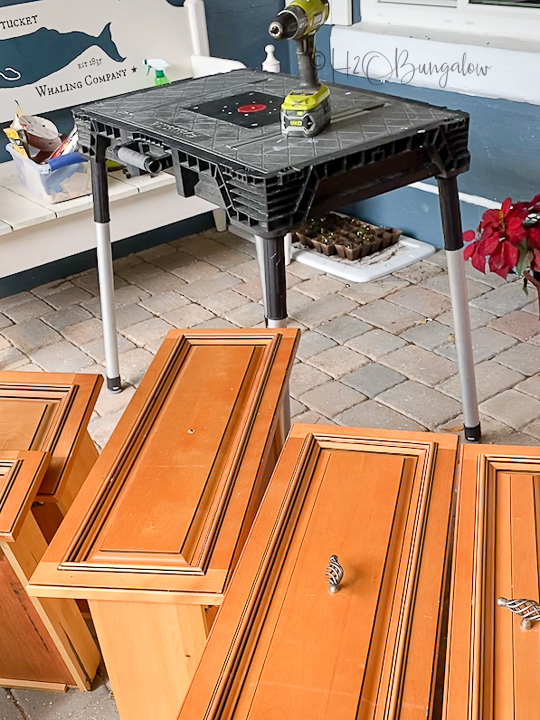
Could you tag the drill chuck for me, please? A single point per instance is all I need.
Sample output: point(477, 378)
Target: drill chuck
point(289, 24)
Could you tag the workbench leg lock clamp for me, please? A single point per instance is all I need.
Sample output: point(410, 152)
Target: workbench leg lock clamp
point(473, 434)
point(114, 384)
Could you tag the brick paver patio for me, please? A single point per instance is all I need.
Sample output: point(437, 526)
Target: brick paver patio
point(379, 354)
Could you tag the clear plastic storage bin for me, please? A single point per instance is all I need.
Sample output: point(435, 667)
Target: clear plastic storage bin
point(62, 178)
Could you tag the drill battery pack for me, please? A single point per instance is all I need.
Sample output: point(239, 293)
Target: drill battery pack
point(305, 113)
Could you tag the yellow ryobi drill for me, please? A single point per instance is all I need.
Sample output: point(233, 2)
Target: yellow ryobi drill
point(305, 111)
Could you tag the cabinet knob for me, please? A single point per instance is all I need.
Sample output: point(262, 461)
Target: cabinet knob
point(334, 574)
point(528, 610)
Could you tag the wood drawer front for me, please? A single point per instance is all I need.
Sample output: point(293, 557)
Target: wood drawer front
point(493, 665)
point(166, 504)
point(283, 645)
point(44, 411)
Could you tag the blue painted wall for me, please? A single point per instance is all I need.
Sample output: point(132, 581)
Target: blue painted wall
point(504, 144)
point(238, 30)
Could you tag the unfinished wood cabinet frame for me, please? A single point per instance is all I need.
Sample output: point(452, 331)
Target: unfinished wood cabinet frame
point(258, 660)
point(493, 665)
point(154, 534)
point(43, 644)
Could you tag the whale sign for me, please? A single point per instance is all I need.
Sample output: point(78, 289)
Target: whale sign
point(52, 56)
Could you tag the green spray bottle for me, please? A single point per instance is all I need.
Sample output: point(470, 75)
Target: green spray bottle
point(159, 66)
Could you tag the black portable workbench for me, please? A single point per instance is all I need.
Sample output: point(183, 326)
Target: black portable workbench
point(220, 135)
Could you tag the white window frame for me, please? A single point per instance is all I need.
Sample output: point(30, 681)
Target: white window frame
point(457, 19)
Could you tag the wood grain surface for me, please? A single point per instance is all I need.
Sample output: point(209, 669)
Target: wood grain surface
point(282, 645)
point(27, 652)
point(50, 412)
point(43, 644)
point(21, 474)
point(155, 533)
point(167, 505)
point(493, 665)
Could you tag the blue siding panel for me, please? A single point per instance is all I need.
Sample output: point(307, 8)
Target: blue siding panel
point(504, 144)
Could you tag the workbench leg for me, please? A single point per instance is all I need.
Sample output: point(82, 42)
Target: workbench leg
point(271, 254)
point(453, 242)
point(105, 271)
point(271, 258)
point(259, 246)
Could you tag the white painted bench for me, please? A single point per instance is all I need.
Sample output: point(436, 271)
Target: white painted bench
point(34, 233)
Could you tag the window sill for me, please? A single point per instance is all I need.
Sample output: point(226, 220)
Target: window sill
point(450, 36)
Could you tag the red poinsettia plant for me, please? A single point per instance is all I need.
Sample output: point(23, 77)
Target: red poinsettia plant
point(508, 240)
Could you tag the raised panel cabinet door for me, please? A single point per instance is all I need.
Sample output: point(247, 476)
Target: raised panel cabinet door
point(154, 535)
point(50, 412)
point(42, 644)
point(334, 610)
point(493, 658)
point(168, 503)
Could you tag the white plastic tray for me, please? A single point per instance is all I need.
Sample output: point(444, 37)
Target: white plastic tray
point(405, 252)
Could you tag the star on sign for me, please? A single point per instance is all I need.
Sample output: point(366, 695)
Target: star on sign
point(134, 69)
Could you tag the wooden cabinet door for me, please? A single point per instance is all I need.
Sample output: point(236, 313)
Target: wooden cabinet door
point(283, 646)
point(27, 651)
point(50, 412)
point(168, 504)
point(493, 664)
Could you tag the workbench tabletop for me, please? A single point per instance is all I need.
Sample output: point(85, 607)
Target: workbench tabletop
point(211, 114)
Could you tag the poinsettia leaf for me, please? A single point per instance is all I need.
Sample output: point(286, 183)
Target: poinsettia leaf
point(510, 254)
point(488, 232)
point(478, 262)
point(536, 199)
point(470, 250)
point(502, 271)
point(533, 237)
point(514, 227)
point(490, 244)
point(490, 217)
point(496, 261)
point(520, 208)
point(507, 204)
point(469, 235)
